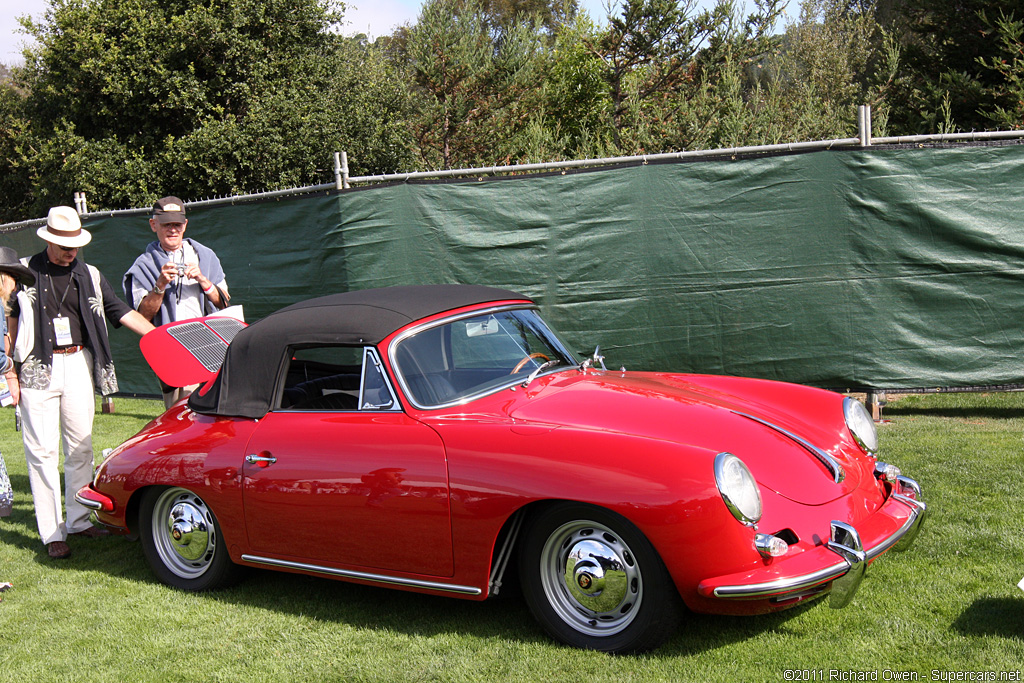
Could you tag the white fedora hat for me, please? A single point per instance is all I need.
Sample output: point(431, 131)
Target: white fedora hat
point(64, 228)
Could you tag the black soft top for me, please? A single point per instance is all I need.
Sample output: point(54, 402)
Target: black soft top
point(247, 381)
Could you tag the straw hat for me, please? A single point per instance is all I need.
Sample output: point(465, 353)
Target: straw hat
point(64, 228)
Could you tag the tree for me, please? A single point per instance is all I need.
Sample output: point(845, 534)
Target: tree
point(131, 99)
point(946, 44)
point(550, 13)
point(571, 117)
point(649, 47)
point(468, 79)
point(1008, 63)
point(837, 57)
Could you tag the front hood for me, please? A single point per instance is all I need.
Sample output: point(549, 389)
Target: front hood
point(685, 410)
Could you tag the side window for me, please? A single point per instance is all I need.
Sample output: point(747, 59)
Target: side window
point(375, 393)
point(333, 378)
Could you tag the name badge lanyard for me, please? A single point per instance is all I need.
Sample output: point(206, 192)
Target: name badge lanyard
point(61, 324)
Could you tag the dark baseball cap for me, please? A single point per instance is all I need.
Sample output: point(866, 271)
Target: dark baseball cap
point(169, 210)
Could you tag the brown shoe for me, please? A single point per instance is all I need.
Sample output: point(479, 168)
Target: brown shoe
point(58, 550)
point(91, 532)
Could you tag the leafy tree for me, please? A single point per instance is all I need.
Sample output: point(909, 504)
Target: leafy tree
point(131, 99)
point(574, 104)
point(14, 150)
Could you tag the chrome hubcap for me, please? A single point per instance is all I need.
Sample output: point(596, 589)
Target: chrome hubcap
point(189, 534)
point(591, 578)
point(183, 533)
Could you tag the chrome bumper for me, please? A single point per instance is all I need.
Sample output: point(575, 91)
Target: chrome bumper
point(847, 573)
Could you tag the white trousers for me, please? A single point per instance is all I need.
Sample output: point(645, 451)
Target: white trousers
point(62, 413)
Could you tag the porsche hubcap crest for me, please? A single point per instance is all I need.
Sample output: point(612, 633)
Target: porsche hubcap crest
point(591, 578)
point(188, 530)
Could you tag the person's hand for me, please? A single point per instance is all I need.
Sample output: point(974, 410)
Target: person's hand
point(168, 274)
point(13, 386)
point(192, 271)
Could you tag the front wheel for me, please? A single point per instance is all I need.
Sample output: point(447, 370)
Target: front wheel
point(182, 542)
point(594, 581)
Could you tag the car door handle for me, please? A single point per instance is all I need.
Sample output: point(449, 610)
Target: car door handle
point(261, 460)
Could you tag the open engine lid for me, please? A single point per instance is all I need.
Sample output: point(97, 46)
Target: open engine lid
point(191, 351)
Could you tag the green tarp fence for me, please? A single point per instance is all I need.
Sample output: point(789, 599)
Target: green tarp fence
point(882, 268)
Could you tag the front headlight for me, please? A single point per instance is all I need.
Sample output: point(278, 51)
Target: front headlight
point(738, 488)
point(859, 421)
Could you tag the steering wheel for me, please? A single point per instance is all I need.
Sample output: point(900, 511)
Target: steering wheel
point(520, 364)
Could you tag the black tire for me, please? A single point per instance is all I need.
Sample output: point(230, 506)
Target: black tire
point(594, 581)
point(182, 542)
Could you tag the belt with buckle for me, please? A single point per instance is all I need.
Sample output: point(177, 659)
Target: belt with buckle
point(69, 349)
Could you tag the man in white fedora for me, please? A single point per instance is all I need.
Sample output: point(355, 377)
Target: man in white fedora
point(60, 328)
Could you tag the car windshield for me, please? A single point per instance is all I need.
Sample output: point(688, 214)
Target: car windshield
point(467, 357)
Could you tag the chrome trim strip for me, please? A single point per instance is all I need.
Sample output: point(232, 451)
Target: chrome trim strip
point(364, 576)
point(91, 504)
point(370, 354)
point(827, 460)
point(897, 535)
point(797, 583)
point(788, 585)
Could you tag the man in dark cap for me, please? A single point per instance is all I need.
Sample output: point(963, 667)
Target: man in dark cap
point(176, 278)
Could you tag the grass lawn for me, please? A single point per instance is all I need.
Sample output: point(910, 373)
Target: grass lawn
point(948, 605)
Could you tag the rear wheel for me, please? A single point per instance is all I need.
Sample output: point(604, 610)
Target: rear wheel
point(594, 581)
point(182, 542)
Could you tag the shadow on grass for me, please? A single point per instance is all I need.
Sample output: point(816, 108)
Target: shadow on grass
point(704, 632)
point(993, 617)
point(144, 416)
point(504, 617)
point(967, 412)
point(113, 555)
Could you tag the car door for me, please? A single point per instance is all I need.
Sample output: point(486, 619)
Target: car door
point(339, 475)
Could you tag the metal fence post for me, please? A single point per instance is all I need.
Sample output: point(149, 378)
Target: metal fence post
point(864, 124)
point(341, 170)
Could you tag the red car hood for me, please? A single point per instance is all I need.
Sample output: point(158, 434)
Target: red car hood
point(679, 408)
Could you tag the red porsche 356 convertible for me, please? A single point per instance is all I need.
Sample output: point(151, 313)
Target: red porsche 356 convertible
point(423, 438)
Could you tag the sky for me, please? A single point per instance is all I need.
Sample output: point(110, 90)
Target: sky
point(373, 17)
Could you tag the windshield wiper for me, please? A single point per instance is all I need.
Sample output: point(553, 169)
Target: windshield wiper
point(542, 366)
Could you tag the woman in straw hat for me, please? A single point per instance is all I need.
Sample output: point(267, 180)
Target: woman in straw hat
point(12, 273)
